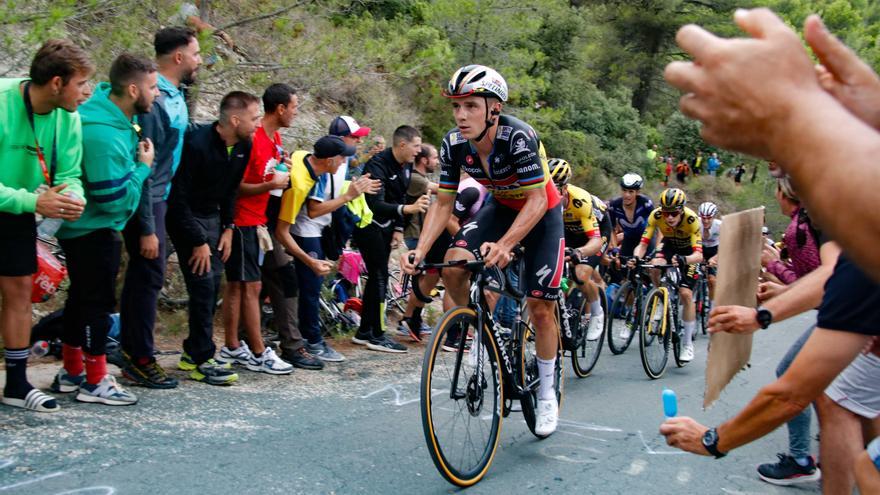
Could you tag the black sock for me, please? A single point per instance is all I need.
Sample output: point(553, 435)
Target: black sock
point(417, 314)
point(17, 385)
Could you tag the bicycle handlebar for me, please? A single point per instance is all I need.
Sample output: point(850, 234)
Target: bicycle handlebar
point(470, 265)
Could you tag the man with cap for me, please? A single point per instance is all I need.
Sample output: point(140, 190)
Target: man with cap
point(353, 134)
point(306, 210)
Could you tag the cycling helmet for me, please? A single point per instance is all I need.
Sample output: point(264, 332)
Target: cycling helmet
point(476, 80)
point(708, 209)
point(560, 171)
point(672, 199)
point(631, 181)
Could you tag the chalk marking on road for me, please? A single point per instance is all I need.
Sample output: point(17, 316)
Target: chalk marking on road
point(4, 463)
point(546, 452)
point(587, 426)
point(398, 395)
point(683, 476)
point(651, 451)
point(636, 467)
point(560, 430)
point(99, 490)
point(32, 481)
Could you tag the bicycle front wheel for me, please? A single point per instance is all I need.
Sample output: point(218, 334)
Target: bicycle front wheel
point(654, 333)
point(584, 358)
point(461, 408)
point(703, 308)
point(622, 319)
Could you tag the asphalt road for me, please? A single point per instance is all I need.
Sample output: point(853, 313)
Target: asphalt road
point(356, 428)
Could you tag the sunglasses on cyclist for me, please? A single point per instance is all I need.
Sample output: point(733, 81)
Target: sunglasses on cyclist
point(670, 214)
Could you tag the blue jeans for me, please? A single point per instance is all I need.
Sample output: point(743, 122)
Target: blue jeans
point(799, 426)
point(505, 310)
point(309, 290)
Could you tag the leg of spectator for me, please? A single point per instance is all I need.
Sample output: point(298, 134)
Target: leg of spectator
point(309, 291)
point(840, 444)
point(15, 322)
point(232, 307)
point(250, 316)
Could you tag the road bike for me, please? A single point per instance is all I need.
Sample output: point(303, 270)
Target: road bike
point(661, 327)
point(466, 393)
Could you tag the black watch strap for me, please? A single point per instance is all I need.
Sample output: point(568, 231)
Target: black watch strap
point(764, 317)
point(710, 443)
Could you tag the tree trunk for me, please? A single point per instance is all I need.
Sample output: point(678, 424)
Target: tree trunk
point(647, 71)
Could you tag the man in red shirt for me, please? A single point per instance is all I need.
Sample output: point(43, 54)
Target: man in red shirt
point(266, 171)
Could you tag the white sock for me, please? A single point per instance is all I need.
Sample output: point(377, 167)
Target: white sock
point(546, 376)
point(596, 308)
point(689, 327)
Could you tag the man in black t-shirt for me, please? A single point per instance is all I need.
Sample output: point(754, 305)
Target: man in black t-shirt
point(848, 320)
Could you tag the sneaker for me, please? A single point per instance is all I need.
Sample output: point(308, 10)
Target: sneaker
point(107, 391)
point(64, 383)
point(150, 375)
point(303, 359)
point(186, 363)
point(426, 330)
point(687, 352)
point(548, 417)
point(35, 400)
point(450, 346)
point(240, 355)
point(324, 352)
point(788, 472)
point(213, 373)
point(360, 340)
point(405, 328)
point(385, 344)
point(270, 363)
point(625, 332)
point(595, 330)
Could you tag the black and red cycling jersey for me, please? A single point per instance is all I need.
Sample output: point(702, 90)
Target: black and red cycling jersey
point(516, 164)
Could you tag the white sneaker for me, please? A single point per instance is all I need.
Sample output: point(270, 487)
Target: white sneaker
point(625, 332)
point(595, 330)
point(687, 352)
point(548, 417)
point(269, 363)
point(240, 355)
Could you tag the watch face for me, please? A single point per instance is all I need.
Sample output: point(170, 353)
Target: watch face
point(710, 437)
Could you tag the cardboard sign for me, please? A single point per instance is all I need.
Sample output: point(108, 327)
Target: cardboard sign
point(739, 266)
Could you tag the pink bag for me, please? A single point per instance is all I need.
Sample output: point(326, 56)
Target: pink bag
point(351, 265)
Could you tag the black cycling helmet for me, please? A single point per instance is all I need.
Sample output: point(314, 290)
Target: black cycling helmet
point(672, 199)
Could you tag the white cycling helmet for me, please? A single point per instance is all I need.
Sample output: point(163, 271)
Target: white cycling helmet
point(631, 181)
point(476, 80)
point(708, 209)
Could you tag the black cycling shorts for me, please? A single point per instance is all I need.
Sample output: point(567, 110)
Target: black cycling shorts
point(689, 276)
point(544, 245)
point(18, 245)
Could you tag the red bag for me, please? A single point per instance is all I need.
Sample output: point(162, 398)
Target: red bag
point(50, 273)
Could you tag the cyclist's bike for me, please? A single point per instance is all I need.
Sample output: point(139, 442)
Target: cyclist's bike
point(574, 321)
point(661, 327)
point(701, 297)
point(625, 317)
point(466, 393)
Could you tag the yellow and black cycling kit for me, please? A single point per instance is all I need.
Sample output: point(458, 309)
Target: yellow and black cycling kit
point(580, 222)
point(684, 239)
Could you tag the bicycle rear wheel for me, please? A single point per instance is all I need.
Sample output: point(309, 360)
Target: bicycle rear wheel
point(702, 301)
point(584, 358)
point(622, 319)
point(461, 426)
point(654, 333)
point(528, 375)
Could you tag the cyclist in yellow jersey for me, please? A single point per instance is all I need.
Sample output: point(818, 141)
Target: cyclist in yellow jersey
point(682, 245)
point(582, 233)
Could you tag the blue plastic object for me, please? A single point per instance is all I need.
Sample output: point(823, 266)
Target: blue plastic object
point(670, 403)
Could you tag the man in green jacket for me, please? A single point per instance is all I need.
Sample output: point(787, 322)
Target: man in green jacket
point(40, 149)
point(116, 162)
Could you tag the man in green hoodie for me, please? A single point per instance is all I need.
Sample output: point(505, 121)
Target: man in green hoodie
point(116, 162)
point(40, 146)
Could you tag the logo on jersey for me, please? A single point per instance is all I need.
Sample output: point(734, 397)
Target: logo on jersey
point(577, 203)
point(504, 132)
point(456, 138)
point(444, 152)
point(469, 159)
point(519, 146)
point(537, 293)
point(461, 243)
point(459, 206)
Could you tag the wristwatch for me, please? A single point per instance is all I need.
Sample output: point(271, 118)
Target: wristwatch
point(229, 226)
point(764, 317)
point(710, 443)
